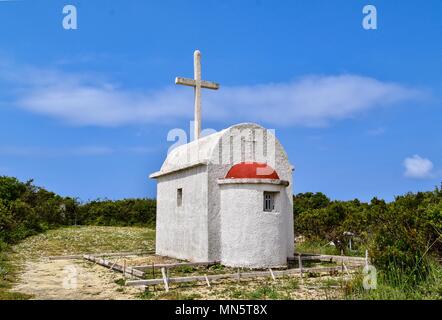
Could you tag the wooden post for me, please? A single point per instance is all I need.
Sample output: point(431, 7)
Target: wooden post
point(300, 267)
point(345, 268)
point(113, 265)
point(342, 261)
point(176, 265)
point(165, 280)
point(117, 267)
point(153, 276)
point(272, 274)
point(207, 280)
point(244, 275)
point(96, 255)
point(124, 268)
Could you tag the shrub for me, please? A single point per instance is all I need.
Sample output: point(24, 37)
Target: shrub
point(26, 209)
point(406, 234)
point(402, 236)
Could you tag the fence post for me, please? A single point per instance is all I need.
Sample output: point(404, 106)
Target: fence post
point(153, 276)
point(165, 280)
point(272, 274)
point(207, 280)
point(300, 267)
point(342, 261)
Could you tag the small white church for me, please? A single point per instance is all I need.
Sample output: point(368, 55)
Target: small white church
point(227, 196)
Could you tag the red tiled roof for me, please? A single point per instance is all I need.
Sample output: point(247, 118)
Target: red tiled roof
point(252, 170)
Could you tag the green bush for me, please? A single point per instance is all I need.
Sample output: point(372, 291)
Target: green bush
point(395, 284)
point(402, 236)
point(331, 221)
point(406, 234)
point(26, 209)
point(127, 212)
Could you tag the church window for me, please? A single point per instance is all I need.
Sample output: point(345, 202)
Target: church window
point(269, 201)
point(179, 197)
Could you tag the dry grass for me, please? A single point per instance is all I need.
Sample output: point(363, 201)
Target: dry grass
point(29, 255)
point(86, 239)
point(42, 278)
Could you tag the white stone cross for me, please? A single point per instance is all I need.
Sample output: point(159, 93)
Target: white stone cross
point(197, 83)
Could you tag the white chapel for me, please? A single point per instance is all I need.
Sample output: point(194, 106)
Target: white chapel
point(227, 196)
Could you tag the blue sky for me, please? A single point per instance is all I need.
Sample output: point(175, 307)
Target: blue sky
point(86, 112)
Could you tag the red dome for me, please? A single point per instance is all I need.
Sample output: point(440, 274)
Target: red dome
point(252, 170)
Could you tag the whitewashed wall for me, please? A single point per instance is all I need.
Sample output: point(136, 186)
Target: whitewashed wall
point(251, 237)
point(272, 152)
point(181, 232)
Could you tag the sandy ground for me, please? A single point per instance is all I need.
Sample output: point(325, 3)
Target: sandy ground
point(81, 280)
point(71, 280)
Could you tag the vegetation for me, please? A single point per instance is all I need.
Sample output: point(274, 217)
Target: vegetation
point(7, 276)
point(397, 285)
point(85, 239)
point(67, 241)
point(27, 210)
point(403, 237)
point(127, 212)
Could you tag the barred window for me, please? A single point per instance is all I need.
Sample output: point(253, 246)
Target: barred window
point(269, 201)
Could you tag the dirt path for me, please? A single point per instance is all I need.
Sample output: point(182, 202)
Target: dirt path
point(71, 280)
point(81, 280)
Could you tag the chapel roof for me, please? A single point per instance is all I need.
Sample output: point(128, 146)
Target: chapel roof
point(196, 153)
point(251, 170)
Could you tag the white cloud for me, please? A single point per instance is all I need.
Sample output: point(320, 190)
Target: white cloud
point(418, 167)
point(308, 101)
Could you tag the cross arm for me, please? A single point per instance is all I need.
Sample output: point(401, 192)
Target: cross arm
point(192, 83)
